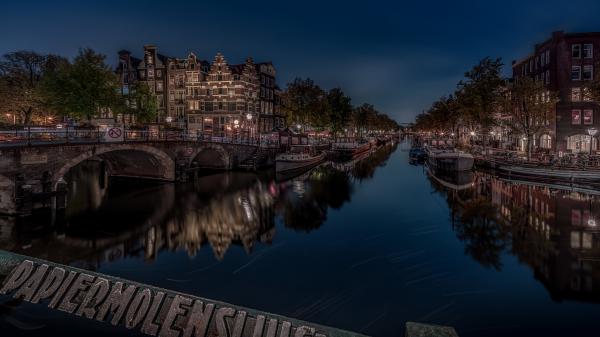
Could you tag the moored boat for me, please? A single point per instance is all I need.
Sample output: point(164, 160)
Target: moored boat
point(347, 149)
point(298, 158)
point(449, 160)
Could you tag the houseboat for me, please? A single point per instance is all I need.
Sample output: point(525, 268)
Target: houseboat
point(348, 148)
point(298, 158)
point(449, 160)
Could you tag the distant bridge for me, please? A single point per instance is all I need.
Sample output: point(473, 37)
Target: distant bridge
point(36, 162)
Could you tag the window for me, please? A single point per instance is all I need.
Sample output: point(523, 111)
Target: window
point(576, 51)
point(576, 73)
point(575, 94)
point(576, 117)
point(588, 72)
point(150, 73)
point(588, 117)
point(547, 76)
point(548, 56)
point(159, 86)
point(588, 51)
point(586, 95)
point(158, 73)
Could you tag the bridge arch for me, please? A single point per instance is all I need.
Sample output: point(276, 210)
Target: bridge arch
point(203, 157)
point(158, 164)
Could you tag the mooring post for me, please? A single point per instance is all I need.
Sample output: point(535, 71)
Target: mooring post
point(61, 195)
point(26, 200)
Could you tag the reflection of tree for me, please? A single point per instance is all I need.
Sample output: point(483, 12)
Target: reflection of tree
point(483, 232)
point(365, 169)
point(325, 187)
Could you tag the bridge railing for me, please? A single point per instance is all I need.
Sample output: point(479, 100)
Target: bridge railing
point(47, 136)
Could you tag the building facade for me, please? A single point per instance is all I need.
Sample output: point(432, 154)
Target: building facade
point(566, 63)
point(207, 99)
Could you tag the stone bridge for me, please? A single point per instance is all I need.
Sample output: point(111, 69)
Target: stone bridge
point(39, 170)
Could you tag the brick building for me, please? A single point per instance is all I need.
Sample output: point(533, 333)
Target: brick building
point(565, 62)
point(209, 99)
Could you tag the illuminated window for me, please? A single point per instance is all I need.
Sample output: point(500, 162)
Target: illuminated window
point(588, 117)
point(575, 117)
point(576, 94)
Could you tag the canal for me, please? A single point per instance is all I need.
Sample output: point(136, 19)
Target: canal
point(363, 246)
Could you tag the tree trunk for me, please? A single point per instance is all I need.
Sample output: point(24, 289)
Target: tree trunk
point(529, 147)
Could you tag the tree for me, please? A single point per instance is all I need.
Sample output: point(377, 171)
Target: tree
point(529, 105)
point(21, 75)
point(360, 117)
point(339, 110)
point(480, 94)
point(304, 103)
point(84, 88)
point(141, 103)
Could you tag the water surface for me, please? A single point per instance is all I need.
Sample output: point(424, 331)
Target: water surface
point(364, 246)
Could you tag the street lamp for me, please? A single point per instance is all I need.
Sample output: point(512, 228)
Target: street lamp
point(14, 118)
point(249, 118)
point(592, 132)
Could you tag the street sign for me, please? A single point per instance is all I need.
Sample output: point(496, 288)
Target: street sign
point(114, 134)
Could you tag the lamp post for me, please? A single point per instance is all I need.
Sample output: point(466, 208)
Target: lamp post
point(592, 132)
point(249, 119)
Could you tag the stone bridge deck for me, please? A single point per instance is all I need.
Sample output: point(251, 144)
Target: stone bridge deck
point(38, 166)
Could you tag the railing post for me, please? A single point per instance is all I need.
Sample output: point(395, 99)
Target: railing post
point(98, 134)
point(67, 135)
point(28, 135)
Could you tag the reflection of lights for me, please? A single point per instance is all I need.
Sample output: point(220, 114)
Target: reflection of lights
point(298, 187)
point(592, 222)
point(472, 133)
point(169, 119)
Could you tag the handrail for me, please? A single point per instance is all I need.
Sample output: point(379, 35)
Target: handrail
point(45, 136)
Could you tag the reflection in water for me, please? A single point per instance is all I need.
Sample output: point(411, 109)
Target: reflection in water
point(108, 222)
point(554, 230)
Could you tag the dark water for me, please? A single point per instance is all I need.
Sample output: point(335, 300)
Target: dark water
point(363, 247)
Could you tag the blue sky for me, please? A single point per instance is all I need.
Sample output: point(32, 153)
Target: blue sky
point(399, 57)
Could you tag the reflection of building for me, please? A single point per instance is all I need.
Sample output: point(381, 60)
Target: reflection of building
point(564, 63)
point(555, 232)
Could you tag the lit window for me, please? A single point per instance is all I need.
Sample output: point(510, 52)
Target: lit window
point(587, 95)
point(576, 117)
point(576, 73)
point(588, 72)
point(576, 51)
point(588, 50)
point(588, 117)
point(576, 94)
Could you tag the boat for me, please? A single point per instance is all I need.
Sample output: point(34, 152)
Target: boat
point(454, 180)
point(348, 148)
point(417, 153)
point(449, 160)
point(552, 172)
point(298, 158)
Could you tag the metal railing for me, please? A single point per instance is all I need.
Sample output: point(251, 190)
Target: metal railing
point(46, 136)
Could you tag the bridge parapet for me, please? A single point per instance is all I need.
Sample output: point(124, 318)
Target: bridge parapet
point(40, 167)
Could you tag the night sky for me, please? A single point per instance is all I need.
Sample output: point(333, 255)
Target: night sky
point(398, 57)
